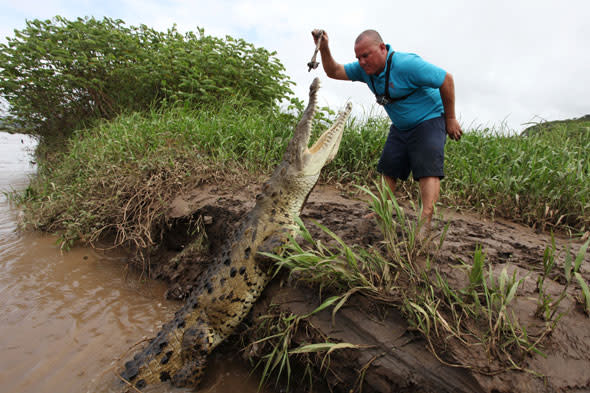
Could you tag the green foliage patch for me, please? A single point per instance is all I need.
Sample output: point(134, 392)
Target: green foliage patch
point(541, 180)
point(59, 75)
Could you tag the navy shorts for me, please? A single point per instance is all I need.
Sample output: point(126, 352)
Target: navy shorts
point(420, 150)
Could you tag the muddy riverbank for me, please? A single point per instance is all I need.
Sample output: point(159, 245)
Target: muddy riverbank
point(74, 316)
point(395, 357)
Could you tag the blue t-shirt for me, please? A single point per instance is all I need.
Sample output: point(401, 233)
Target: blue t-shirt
point(408, 73)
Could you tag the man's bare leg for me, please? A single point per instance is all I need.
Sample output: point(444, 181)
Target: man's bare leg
point(429, 192)
point(390, 182)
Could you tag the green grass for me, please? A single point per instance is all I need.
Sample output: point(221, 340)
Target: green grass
point(117, 177)
point(541, 180)
point(276, 348)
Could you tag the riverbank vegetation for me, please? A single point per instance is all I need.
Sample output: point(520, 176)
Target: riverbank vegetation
point(542, 180)
point(480, 305)
point(117, 178)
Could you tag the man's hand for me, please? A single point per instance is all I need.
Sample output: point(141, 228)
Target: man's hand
point(316, 35)
point(332, 68)
point(453, 129)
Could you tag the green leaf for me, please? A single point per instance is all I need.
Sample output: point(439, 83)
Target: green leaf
point(568, 265)
point(585, 290)
point(512, 291)
point(327, 303)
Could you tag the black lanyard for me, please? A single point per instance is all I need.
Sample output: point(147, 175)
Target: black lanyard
point(388, 98)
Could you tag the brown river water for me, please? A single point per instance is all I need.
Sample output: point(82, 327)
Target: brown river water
point(67, 318)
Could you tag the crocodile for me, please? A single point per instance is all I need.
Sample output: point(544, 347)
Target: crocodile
point(234, 279)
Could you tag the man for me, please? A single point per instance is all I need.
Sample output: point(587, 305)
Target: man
point(420, 101)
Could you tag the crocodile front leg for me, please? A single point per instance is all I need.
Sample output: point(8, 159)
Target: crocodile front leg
point(197, 343)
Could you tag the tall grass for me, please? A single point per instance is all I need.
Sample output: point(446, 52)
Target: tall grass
point(540, 180)
point(359, 151)
point(119, 176)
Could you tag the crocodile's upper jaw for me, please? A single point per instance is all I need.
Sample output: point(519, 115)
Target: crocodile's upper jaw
point(296, 176)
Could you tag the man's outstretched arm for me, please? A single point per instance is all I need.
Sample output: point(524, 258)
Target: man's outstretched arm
point(332, 68)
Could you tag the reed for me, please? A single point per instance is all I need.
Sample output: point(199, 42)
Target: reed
point(542, 180)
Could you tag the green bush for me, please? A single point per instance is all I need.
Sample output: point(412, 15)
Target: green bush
point(59, 75)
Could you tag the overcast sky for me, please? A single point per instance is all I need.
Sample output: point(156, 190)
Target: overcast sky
point(513, 62)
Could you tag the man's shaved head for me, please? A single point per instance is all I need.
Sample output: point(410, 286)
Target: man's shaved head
point(371, 52)
point(371, 35)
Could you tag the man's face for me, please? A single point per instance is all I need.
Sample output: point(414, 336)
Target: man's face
point(371, 55)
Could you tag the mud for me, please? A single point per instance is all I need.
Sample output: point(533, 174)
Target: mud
point(394, 358)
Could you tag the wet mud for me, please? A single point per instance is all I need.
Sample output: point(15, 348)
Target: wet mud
point(394, 357)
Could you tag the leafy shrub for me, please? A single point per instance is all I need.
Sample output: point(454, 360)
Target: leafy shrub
point(58, 75)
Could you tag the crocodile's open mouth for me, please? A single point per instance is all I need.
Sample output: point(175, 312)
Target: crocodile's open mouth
point(311, 160)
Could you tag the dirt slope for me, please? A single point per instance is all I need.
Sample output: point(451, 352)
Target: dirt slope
point(396, 359)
